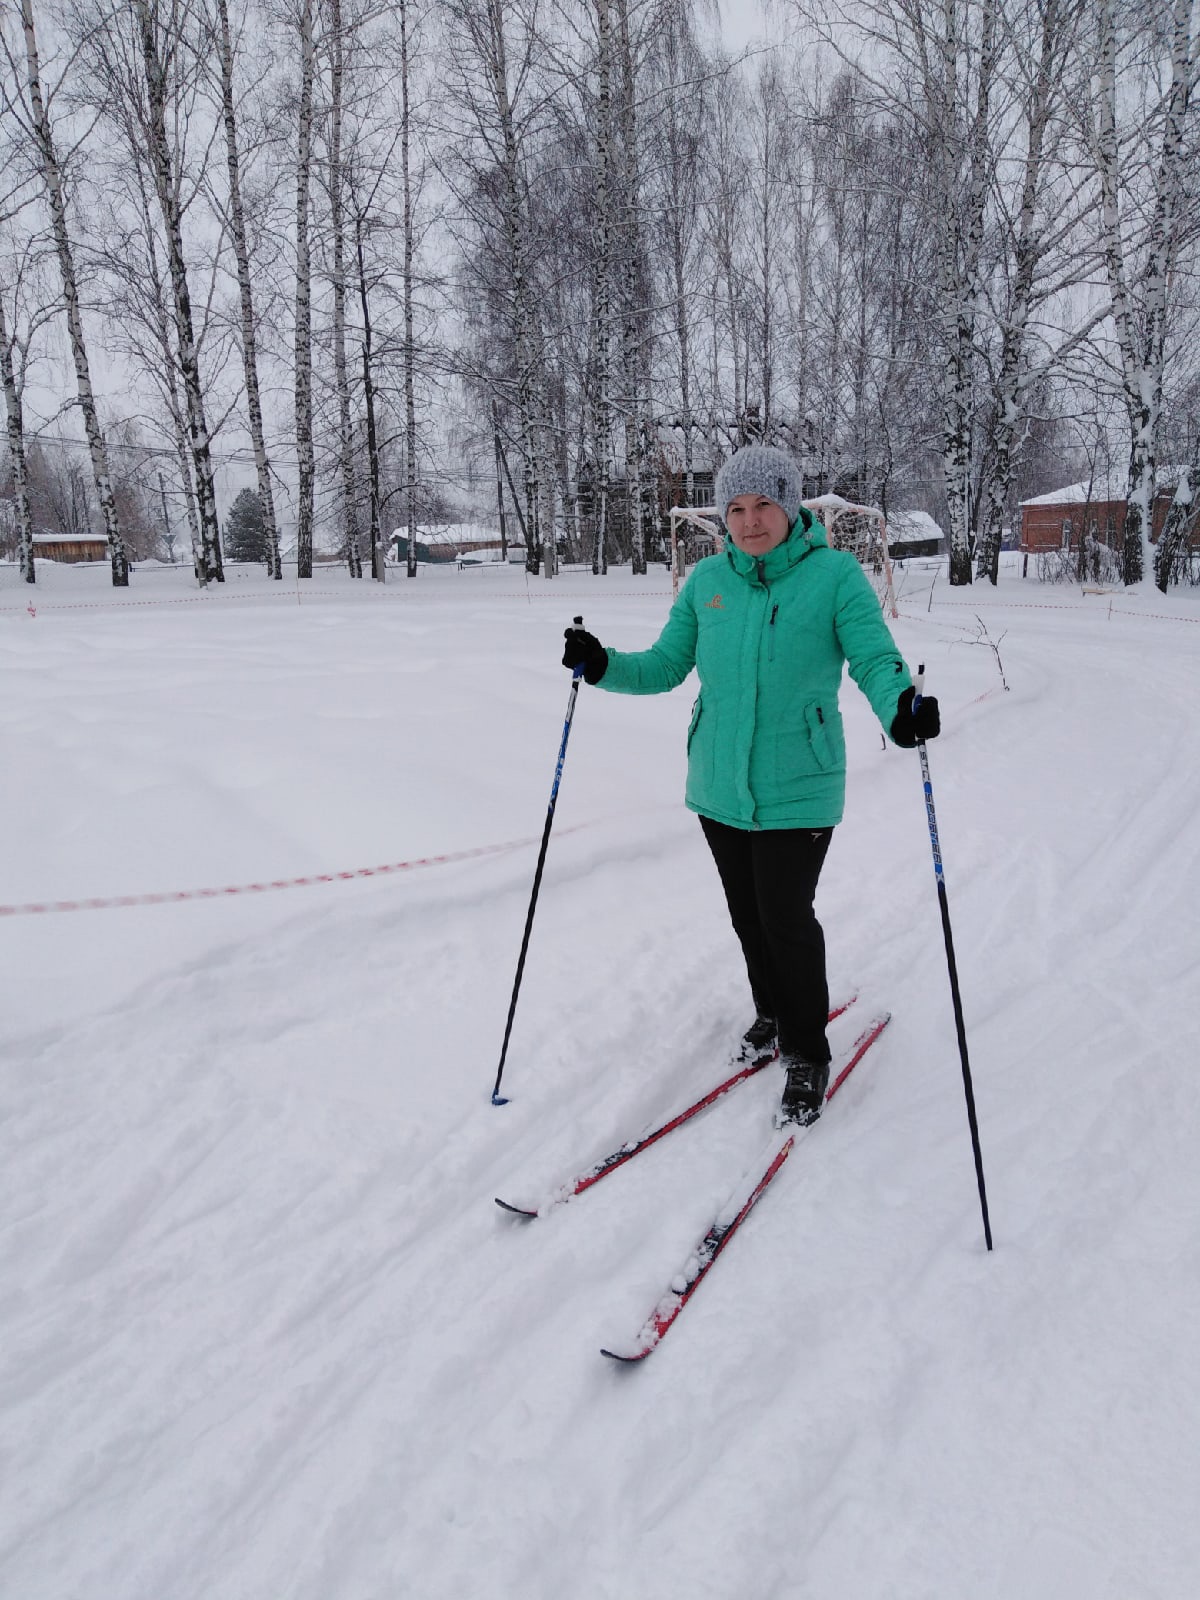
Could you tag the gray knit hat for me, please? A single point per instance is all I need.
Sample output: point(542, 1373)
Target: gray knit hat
point(760, 469)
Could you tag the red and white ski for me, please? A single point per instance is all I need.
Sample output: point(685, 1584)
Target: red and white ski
point(634, 1147)
point(685, 1283)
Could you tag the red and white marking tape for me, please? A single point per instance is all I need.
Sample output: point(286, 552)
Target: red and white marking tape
point(175, 896)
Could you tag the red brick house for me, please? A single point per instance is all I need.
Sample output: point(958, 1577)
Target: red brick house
point(1057, 521)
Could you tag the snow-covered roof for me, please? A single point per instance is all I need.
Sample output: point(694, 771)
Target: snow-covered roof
point(1104, 486)
point(904, 525)
point(68, 538)
point(828, 502)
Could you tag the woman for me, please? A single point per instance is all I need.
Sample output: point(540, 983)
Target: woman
point(768, 624)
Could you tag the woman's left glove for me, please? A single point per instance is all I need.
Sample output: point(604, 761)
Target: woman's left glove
point(583, 648)
point(909, 726)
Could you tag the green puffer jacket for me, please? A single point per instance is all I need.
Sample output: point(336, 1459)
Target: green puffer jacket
point(768, 637)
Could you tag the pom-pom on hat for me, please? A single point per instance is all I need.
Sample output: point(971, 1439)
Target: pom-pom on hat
point(760, 469)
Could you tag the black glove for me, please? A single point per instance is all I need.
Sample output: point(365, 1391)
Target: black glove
point(908, 725)
point(583, 647)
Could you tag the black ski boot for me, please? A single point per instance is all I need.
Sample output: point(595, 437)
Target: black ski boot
point(804, 1091)
point(758, 1040)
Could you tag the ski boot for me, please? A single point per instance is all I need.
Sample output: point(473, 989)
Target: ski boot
point(758, 1040)
point(804, 1091)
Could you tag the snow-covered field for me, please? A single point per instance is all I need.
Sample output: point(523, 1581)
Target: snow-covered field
point(263, 1334)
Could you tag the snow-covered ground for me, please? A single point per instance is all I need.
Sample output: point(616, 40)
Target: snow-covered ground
point(263, 1333)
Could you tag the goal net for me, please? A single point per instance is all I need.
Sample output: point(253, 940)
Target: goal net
point(696, 532)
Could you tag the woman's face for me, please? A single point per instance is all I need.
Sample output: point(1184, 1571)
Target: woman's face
point(756, 523)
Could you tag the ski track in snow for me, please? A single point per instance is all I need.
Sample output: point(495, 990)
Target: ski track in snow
point(264, 1336)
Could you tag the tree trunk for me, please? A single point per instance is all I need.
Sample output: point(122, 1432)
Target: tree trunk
point(341, 375)
point(241, 251)
point(306, 466)
point(166, 186)
point(632, 280)
point(1142, 328)
point(52, 174)
point(15, 415)
point(410, 397)
point(378, 553)
point(602, 292)
point(1175, 539)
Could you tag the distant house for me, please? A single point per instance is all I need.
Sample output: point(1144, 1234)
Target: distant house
point(914, 533)
point(1096, 507)
point(467, 543)
point(70, 547)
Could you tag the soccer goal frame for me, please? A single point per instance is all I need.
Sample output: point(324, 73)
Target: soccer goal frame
point(842, 521)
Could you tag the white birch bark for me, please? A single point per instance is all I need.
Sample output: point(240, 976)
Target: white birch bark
point(341, 375)
point(53, 176)
point(1140, 298)
point(408, 289)
point(632, 278)
point(249, 326)
point(517, 261)
point(959, 251)
point(302, 347)
point(1033, 237)
point(14, 412)
point(1174, 542)
point(602, 290)
point(378, 560)
point(155, 51)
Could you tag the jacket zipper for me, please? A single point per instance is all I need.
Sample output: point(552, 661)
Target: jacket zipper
point(771, 632)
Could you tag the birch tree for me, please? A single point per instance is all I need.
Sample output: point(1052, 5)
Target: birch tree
point(235, 222)
point(681, 71)
point(936, 69)
point(1043, 242)
point(302, 341)
point(1153, 167)
point(335, 185)
point(14, 356)
point(489, 175)
point(160, 30)
point(408, 287)
point(28, 105)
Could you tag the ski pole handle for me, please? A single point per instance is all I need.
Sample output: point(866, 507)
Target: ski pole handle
point(918, 686)
point(578, 670)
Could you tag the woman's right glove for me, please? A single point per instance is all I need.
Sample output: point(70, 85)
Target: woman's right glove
point(909, 726)
point(584, 649)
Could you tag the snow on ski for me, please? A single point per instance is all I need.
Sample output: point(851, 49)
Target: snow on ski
point(729, 1220)
point(634, 1147)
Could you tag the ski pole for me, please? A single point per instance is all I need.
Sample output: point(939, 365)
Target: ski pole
point(952, 967)
point(497, 1098)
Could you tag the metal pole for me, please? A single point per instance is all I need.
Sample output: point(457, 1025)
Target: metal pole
point(944, 905)
point(497, 1098)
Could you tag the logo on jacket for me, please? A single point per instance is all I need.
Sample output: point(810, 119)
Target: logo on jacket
point(715, 604)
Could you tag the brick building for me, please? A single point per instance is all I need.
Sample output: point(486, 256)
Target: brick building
point(1057, 521)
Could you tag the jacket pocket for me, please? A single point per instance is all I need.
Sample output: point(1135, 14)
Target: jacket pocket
point(818, 736)
point(806, 747)
point(696, 710)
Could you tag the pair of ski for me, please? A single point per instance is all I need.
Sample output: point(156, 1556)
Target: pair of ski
point(732, 1214)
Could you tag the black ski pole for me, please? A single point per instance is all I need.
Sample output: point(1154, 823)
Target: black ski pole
point(497, 1098)
point(931, 815)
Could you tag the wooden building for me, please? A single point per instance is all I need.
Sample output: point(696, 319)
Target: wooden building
point(70, 547)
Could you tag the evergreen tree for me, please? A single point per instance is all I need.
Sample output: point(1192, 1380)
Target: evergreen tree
point(246, 529)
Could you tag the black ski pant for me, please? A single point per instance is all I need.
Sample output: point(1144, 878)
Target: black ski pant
point(770, 878)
